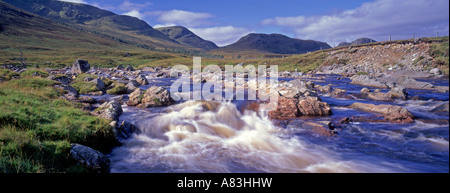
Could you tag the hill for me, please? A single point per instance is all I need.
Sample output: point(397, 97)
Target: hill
point(43, 41)
point(121, 28)
point(357, 42)
point(187, 37)
point(274, 43)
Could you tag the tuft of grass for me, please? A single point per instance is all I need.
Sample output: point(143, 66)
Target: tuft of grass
point(32, 72)
point(118, 90)
point(6, 74)
point(37, 128)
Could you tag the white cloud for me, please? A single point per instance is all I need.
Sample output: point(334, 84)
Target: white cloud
point(184, 18)
point(222, 36)
point(134, 13)
point(164, 25)
point(75, 1)
point(130, 6)
point(375, 19)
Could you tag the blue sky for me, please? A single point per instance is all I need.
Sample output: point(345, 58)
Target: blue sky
point(331, 21)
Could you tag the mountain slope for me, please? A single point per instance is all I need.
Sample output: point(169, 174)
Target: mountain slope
point(44, 41)
point(357, 42)
point(119, 27)
point(275, 43)
point(187, 37)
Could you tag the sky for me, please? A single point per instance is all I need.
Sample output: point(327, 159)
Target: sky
point(331, 21)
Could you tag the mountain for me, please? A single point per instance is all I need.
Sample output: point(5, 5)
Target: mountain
point(357, 42)
point(44, 41)
point(274, 43)
point(187, 37)
point(119, 27)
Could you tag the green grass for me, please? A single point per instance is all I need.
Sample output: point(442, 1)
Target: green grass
point(440, 53)
point(31, 72)
point(6, 74)
point(36, 128)
point(118, 90)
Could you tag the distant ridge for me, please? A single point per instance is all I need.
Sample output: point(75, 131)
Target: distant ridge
point(275, 43)
point(186, 37)
point(357, 42)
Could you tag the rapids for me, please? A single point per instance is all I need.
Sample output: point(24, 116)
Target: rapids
point(209, 136)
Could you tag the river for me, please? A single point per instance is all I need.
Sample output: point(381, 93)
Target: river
point(213, 137)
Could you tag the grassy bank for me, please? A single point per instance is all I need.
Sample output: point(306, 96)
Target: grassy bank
point(36, 128)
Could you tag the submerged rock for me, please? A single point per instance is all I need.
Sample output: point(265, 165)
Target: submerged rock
point(441, 108)
point(90, 158)
point(391, 113)
point(125, 129)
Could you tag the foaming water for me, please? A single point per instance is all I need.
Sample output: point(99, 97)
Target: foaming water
point(206, 136)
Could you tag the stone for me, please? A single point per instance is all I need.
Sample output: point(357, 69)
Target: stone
point(312, 106)
point(157, 96)
point(129, 68)
point(435, 71)
point(132, 85)
point(80, 66)
point(366, 80)
point(365, 90)
point(87, 99)
point(287, 108)
point(99, 84)
point(125, 130)
point(90, 158)
point(135, 97)
point(120, 67)
point(411, 83)
point(441, 108)
point(323, 89)
point(142, 80)
point(338, 93)
point(60, 78)
point(109, 110)
point(391, 113)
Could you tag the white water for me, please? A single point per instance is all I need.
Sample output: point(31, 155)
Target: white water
point(203, 136)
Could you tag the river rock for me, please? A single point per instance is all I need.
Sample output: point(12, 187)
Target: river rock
point(338, 93)
point(435, 71)
point(157, 96)
point(391, 113)
point(441, 108)
point(90, 158)
point(287, 108)
point(135, 97)
point(312, 106)
point(411, 83)
point(142, 80)
point(323, 89)
point(125, 130)
point(366, 80)
point(80, 66)
point(99, 84)
point(109, 110)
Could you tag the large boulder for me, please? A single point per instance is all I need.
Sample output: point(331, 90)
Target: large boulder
point(157, 96)
point(80, 66)
point(312, 106)
point(125, 130)
point(366, 80)
point(109, 110)
point(135, 97)
point(287, 108)
point(391, 113)
point(90, 158)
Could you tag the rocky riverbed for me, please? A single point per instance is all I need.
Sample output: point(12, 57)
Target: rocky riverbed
point(322, 123)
